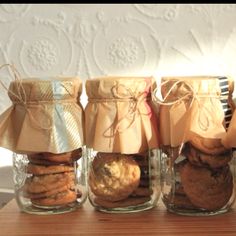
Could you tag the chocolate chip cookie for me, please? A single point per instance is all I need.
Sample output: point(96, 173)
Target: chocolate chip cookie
point(207, 188)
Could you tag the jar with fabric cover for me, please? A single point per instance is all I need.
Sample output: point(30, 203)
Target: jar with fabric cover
point(44, 129)
point(197, 169)
point(122, 142)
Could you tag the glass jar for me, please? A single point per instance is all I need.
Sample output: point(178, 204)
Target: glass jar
point(197, 170)
point(47, 183)
point(123, 182)
point(197, 183)
point(44, 128)
point(123, 168)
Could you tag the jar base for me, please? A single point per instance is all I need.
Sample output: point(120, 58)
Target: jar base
point(130, 209)
point(189, 212)
point(39, 210)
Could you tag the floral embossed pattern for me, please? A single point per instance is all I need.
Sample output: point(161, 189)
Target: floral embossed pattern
point(46, 51)
point(123, 52)
point(42, 55)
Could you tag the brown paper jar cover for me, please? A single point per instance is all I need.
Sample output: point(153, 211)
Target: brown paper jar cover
point(118, 116)
point(194, 106)
point(45, 116)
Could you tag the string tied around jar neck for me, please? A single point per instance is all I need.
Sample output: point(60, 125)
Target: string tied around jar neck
point(190, 96)
point(123, 94)
point(191, 93)
point(133, 110)
point(22, 98)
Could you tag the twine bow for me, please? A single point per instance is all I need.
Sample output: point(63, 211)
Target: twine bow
point(133, 100)
point(191, 96)
point(22, 98)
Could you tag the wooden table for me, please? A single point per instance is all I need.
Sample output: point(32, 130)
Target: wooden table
point(87, 221)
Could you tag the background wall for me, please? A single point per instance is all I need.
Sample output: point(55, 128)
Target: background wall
point(91, 40)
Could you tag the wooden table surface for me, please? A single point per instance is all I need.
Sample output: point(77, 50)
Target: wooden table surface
point(87, 221)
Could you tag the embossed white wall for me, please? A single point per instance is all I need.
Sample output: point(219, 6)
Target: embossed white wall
point(91, 40)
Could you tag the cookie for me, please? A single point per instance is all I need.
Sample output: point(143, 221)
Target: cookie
point(44, 183)
point(58, 199)
point(207, 145)
point(113, 177)
point(142, 192)
point(67, 157)
point(131, 201)
point(42, 170)
point(180, 201)
point(51, 192)
point(206, 188)
point(43, 162)
point(213, 161)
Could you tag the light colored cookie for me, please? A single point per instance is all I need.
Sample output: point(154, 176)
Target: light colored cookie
point(44, 183)
point(58, 199)
point(39, 161)
point(50, 192)
point(67, 157)
point(113, 177)
point(42, 170)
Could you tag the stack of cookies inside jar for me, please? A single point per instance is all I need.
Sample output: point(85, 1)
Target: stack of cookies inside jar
point(197, 170)
point(44, 129)
point(123, 172)
point(52, 179)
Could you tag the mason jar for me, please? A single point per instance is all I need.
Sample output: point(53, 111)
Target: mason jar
point(44, 129)
point(123, 182)
point(47, 183)
point(122, 144)
point(197, 170)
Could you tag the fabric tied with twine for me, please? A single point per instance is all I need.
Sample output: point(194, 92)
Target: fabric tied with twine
point(190, 106)
point(45, 115)
point(118, 116)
